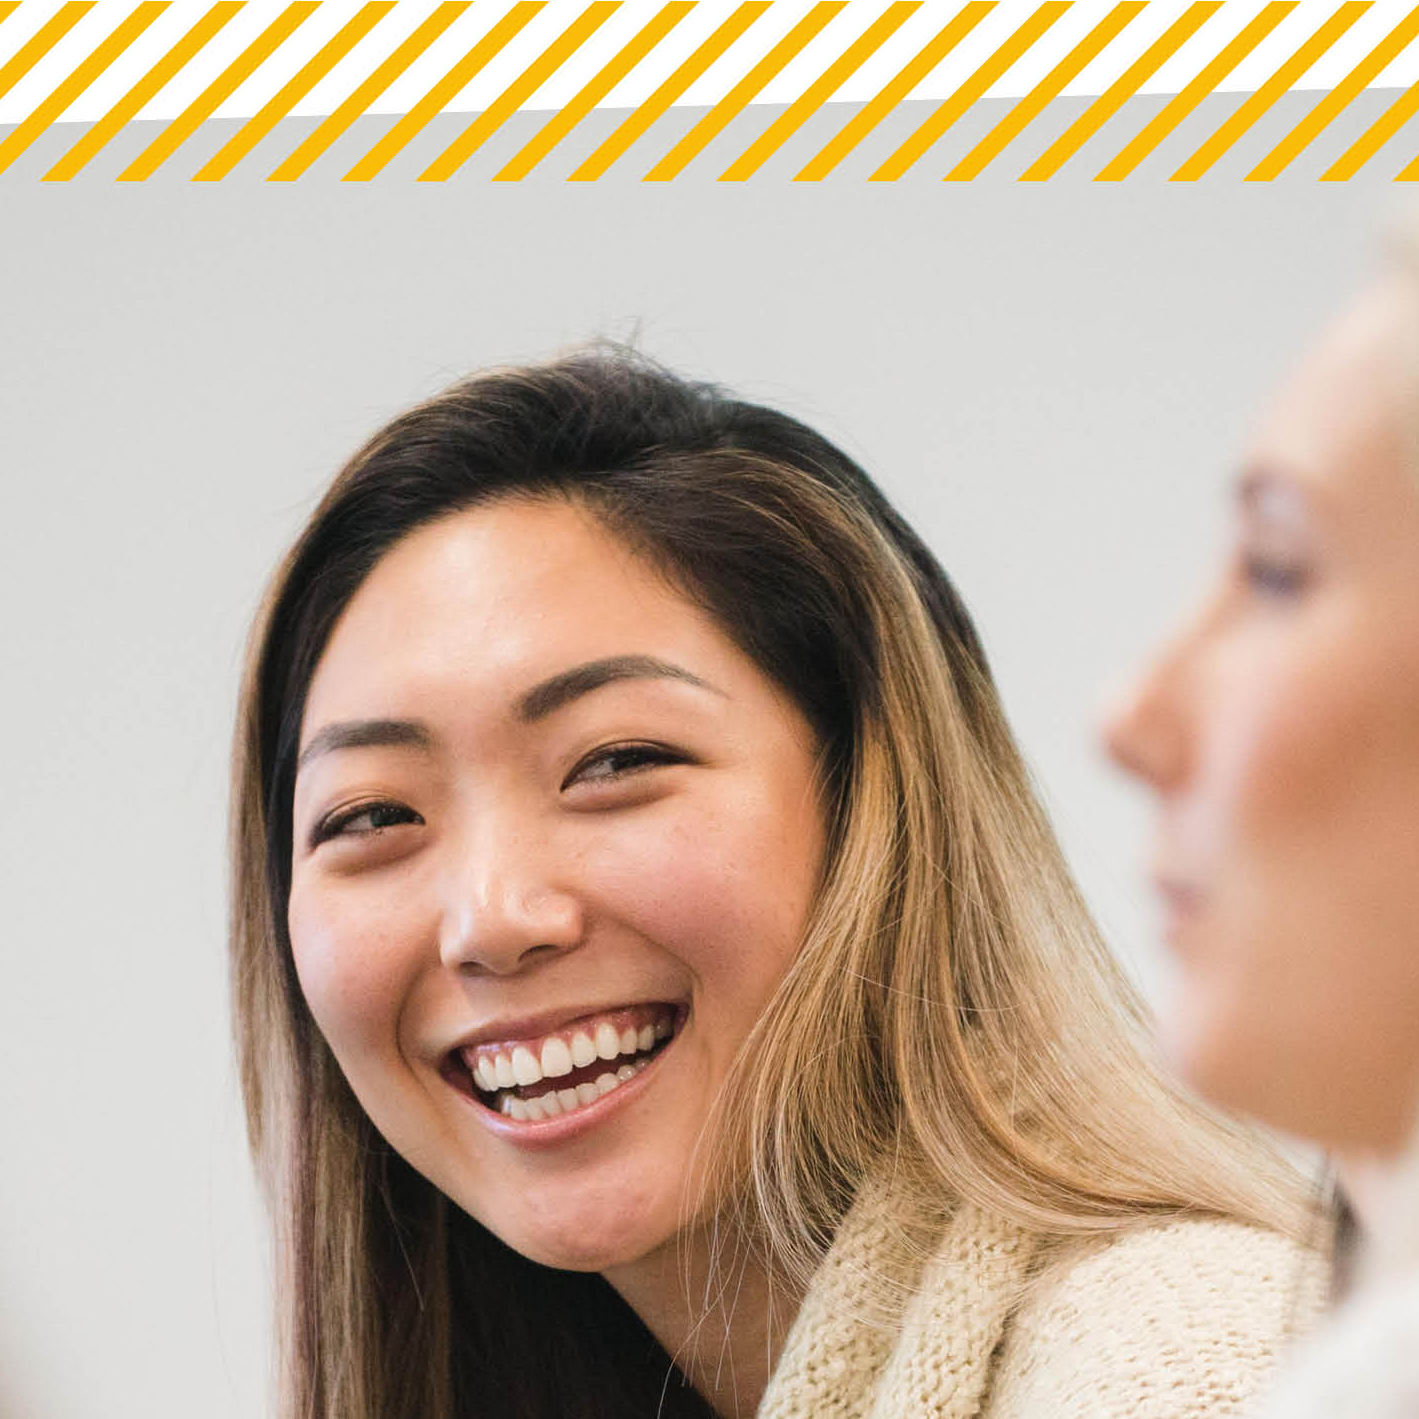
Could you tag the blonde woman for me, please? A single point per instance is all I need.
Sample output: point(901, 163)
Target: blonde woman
point(658, 990)
point(1280, 731)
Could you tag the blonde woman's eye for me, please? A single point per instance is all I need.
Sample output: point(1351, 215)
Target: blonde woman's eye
point(619, 761)
point(1279, 579)
point(361, 819)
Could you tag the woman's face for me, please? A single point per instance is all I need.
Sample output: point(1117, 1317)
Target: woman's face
point(556, 842)
point(1280, 732)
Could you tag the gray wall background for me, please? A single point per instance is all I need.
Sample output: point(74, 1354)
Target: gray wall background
point(1051, 381)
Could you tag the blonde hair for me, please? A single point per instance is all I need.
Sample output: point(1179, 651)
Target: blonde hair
point(952, 1027)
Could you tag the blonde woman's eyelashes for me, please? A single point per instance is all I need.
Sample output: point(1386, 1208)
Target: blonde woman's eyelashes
point(1277, 577)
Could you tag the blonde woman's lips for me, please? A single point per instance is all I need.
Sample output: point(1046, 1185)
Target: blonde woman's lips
point(563, 1074)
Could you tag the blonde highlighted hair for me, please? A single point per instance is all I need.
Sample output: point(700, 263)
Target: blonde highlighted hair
point(952, 1027)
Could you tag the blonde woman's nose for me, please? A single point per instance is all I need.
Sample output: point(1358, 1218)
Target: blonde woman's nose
point(1140, 728)
point(497, 926)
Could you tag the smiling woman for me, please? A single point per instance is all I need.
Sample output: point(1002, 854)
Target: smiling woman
point(658, 991)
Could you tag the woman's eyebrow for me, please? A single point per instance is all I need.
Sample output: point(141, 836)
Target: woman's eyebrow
point(541, 700)
point(1267, 494)
point(364, 733)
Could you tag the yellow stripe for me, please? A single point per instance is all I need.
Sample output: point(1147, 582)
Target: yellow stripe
point(437, 99)
point(1409, 172)
point(41, 42)
point(1374, 137)
point(1120, 91)
point(368, 90)
point(635, 124)
point(817, 94)
point(218, 91)
point(92, 67)
point(132, 102)
point(519, 91)
point(1194, 92)
point(291, 93)
point(8, 9)
point(734, 102)
point(596, 90)
point(969, 92)
point(1354, 83)
point(1279, 83)
point(1033, 104)
point(880, 105)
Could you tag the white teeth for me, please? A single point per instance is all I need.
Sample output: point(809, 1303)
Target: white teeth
point(551, 1105)
point(583, 1051)
point(587, 1093)
point(518, 1109)
point(624, 1072)
point(662, 1029)
point(505, 1104)
point(525, 1069)
point(646, 1038)
point(534, 1108)
point(483, 1075)
point(605, 1083)
point(502, 1072)
point(628, 1041)
point(568, 1099)
point(608, 1042)
point(556, 1059)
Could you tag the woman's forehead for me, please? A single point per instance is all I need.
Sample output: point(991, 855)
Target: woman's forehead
point(1344, 418)
point(492, 597)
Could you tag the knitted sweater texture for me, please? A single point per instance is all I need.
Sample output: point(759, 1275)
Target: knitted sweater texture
point(1179, 1320)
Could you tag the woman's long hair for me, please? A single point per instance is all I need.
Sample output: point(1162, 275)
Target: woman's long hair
point(951, 1013)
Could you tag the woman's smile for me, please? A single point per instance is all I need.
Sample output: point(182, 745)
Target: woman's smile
point(528, 1075)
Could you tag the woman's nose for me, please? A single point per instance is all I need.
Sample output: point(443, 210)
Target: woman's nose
point(498, 923)
point(1141, 730)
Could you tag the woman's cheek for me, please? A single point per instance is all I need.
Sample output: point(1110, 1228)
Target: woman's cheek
point(349, 974)
point(718, 890)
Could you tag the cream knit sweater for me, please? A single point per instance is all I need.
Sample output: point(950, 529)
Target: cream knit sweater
point(1172, 1321)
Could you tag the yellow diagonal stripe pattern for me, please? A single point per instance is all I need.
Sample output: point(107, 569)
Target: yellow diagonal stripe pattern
point(1374, 137)
point(969, 92)
point(1120, 91)
point(132, 102)
point(593, 92)
point(895, 91)
point(638, 123)
point(1032, 105)
point(1324, 113)
point(729, 107)
point(295, 89)
point(519, 91)
point(96, 64)
point(819, 91)
point(1279, 83)
point(218, 91)
point(1194, 92)
point(454, 82)
point(41, 42)
point(819, 88)
point(368, 90)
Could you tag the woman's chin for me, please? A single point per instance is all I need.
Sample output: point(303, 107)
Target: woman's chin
point(576, 1242)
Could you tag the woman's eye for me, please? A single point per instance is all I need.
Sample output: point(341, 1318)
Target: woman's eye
point(1274, 578)
point(619, 761)
point(365, 818)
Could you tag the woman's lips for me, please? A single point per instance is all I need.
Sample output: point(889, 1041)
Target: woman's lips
point(566, 1071)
